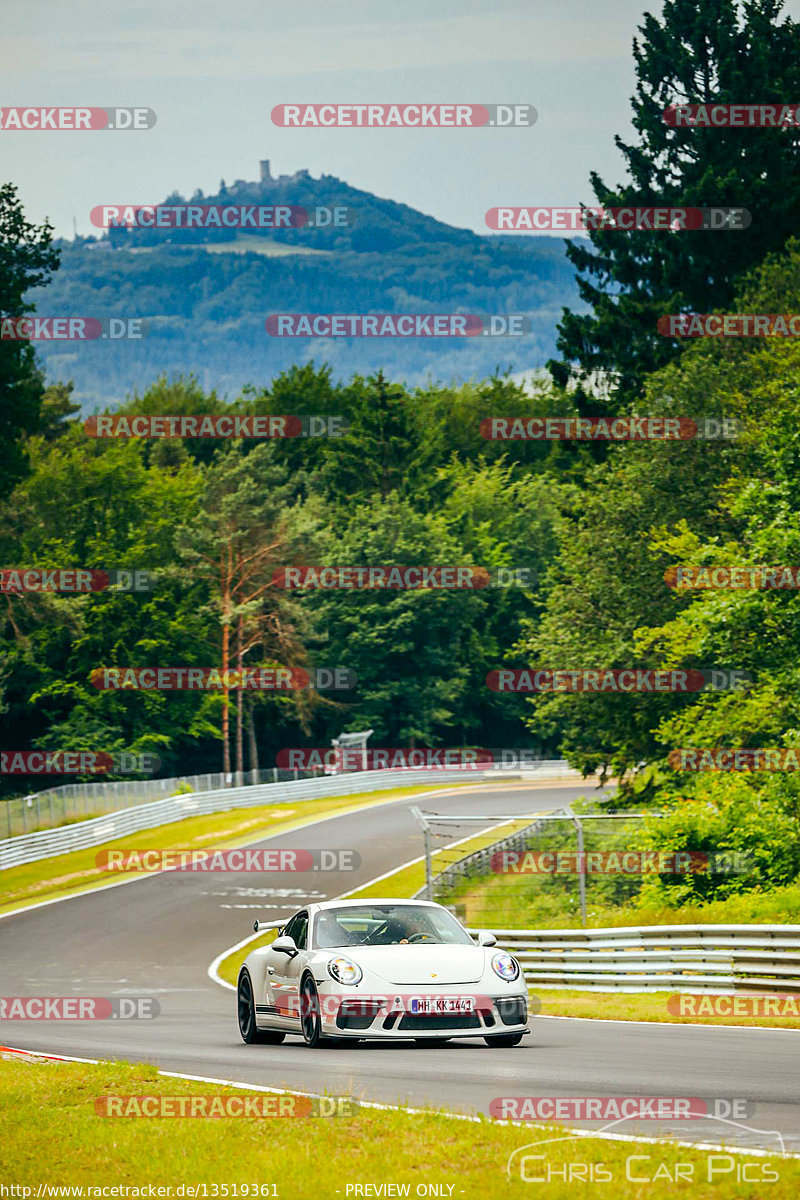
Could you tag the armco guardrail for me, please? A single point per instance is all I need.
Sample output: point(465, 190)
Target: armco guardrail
point(84, 835)
point(690, 958)
point(79, 801)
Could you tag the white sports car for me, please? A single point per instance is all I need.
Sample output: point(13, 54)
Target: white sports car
point(382, 969)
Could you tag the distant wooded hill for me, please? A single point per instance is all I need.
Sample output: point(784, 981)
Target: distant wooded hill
point(205, 295)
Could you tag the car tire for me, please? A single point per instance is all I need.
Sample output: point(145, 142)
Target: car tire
point(504, 1039)
point(246, 1013)
point(310, 1018)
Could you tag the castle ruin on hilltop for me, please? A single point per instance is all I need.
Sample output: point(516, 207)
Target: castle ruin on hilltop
point(266, 178)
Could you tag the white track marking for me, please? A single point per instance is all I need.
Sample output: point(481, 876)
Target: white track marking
point(666, 1024)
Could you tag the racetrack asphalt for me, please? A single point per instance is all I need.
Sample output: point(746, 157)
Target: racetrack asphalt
point(157, 936)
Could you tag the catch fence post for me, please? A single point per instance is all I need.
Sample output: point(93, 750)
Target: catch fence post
point(581, 866)
point(426, 841)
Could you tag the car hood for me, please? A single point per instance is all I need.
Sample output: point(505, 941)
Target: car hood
point(421, 964)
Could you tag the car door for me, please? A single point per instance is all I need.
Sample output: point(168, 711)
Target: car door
point(283, 973)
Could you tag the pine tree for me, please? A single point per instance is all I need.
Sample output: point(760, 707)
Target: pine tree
point(701, 51)
point(381, 452)
point(26, 261)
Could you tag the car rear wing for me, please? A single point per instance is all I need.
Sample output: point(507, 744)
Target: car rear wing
point(262, 926)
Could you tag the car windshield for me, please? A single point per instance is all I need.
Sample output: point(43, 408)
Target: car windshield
point(387, 925)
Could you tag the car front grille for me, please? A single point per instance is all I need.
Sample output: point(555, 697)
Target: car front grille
point(419, 1022)
point(357, 1014)
point(513, 1010)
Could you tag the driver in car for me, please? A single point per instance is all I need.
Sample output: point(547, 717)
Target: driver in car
point(415, 927)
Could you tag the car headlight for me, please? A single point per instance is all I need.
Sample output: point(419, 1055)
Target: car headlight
point(505, 966)
point(343, 970)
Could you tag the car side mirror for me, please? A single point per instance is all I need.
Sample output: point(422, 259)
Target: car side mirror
point(284, 945)
point(485, 938)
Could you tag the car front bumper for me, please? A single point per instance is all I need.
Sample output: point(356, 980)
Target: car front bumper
point(354, 1016)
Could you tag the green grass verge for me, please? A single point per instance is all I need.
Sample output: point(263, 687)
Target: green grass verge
point(508, 901)
point(643, 1006)
point(50, 878)
point(51, 1136)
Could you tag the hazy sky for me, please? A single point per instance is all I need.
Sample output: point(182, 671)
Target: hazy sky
point(213, 70)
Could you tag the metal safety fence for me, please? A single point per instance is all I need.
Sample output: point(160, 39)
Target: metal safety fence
point(86, 834)
point(77, 801)
point(472, 874)
point(693, 958)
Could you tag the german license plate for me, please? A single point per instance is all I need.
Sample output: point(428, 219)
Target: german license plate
point(442, 1004)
